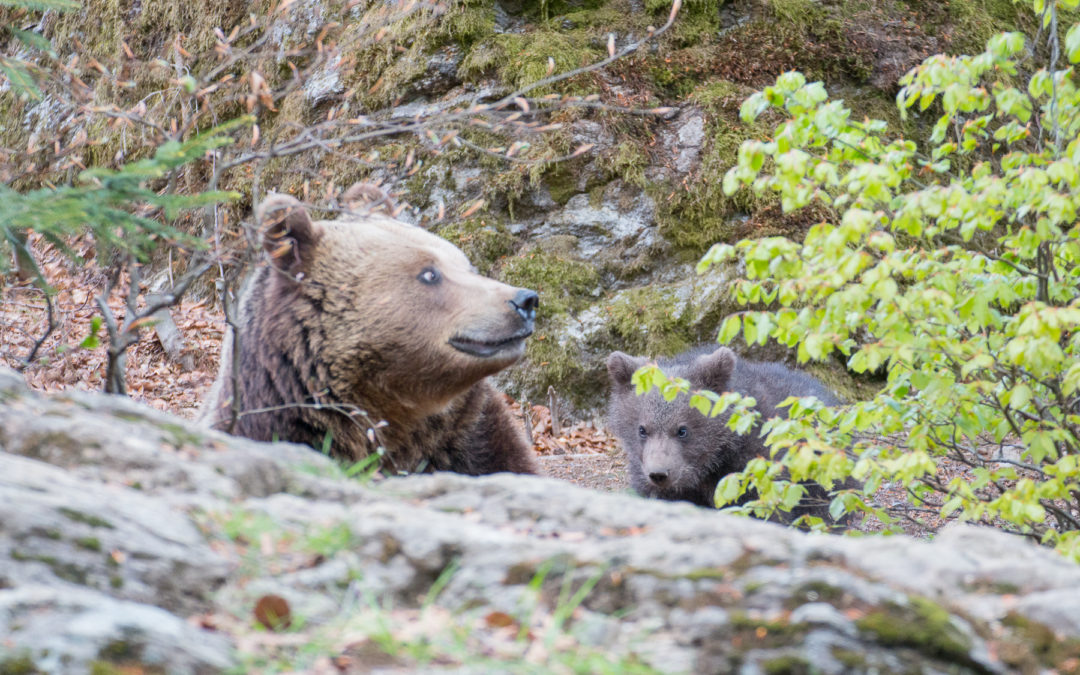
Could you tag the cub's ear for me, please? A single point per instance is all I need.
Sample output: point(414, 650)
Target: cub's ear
point(288, 233)
point(621, 367)
point(712, 371)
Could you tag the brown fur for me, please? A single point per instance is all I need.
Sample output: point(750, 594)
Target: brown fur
point(342, 338)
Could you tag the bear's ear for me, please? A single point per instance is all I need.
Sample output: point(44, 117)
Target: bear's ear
point(288, 233)
point(712, 371)
point(621, 367)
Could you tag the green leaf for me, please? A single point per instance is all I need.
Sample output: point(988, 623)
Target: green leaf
point(32, 40)
point(91, 341)
point(729, 329)
point(21, 81)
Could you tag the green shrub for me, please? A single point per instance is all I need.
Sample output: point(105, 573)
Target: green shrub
point(951, 267)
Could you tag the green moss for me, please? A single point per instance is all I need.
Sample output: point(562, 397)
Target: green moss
point(922, 625)
point(65, 571)
point(467, 22)
point(89, 543)
point(118, 650)
point(764, 634)
point(559, 365)
point(563, 283)
point(706, 573)
point(795, 11)
point(787, 665)
point(521, 59)
point(179, 435)
point(606, 18)
point(116, 581)
point(18, 665)
point(816, 591)
point(88, 519)
point(698, 21)
point(850, 658)
point(628, 162)
point(650, 320)
point(561, 183)
point(1034, 641)
point(484, 240)
point(697, 214)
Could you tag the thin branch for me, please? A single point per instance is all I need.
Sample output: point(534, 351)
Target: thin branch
point(23, 364)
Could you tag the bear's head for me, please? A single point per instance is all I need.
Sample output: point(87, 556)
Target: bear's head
point(673, 451)
point(388, 309)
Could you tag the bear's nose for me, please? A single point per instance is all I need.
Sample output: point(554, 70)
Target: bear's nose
point(658, 477)
point(525, 302)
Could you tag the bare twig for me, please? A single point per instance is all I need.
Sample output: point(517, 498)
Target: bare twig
point(51, 315)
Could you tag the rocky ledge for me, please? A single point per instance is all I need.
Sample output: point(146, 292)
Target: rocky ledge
point(134, 541)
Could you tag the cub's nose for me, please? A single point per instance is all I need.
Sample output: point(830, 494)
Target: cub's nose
point(658, 477)
point(526, 302)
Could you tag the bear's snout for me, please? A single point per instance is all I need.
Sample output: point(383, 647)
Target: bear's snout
point(526, 302)
point(661, 463)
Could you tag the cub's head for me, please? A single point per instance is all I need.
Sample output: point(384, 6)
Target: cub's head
point(673, 450)
point(391, 308)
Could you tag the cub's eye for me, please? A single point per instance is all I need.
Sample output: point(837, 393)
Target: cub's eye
point(429, 276)
point(641, 432)
point(682, 431)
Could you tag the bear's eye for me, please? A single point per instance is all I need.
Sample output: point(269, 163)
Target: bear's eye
point(641, 432)
point(682, 431)
point(429, 276)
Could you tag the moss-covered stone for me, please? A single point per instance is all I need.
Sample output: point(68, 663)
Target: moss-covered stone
point(757, 633)
point(63, 570)
point(651, 320)
point(86, 518)
point(561, 364)
point(89, 543)
point(787, 665)
point(564, 283)
point(1033, 646)
point(486, 241)
point(520, 59)
point(920, 624)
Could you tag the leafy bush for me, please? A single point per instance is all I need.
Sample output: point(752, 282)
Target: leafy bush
point(952, 267)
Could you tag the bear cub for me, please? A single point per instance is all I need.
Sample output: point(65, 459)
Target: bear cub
point(365, 332)
point(676, 453)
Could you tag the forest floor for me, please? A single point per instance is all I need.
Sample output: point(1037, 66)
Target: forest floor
point(70, 357)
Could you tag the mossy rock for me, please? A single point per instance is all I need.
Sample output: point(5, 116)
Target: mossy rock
point(486, 241)
point(520, 59)
point(564, 283)
point(922, 625)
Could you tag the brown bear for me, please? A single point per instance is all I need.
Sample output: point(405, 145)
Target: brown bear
point(367, 332)
point(676, 453)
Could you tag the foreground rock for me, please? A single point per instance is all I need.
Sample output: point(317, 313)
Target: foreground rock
point(129, 538)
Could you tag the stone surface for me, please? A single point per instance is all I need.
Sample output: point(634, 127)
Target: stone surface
point(121, 526)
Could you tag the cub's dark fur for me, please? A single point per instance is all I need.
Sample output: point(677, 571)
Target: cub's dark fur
point(674, 451)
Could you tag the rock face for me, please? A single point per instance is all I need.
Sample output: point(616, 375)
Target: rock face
point(130, 538)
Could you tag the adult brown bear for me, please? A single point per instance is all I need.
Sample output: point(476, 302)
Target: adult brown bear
point(366, 332)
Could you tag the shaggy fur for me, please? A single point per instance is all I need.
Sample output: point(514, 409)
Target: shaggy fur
point(676, 453)
point(366, 328)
